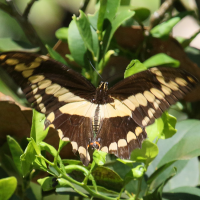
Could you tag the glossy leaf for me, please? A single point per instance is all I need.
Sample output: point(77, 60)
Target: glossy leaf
point(161, 59)
point(16, 152)
point(46, 183)
point(158, 172)
point(55, 55)
point(135, 173)
point(186, 41)
point(187, 176)
point(76, 44)
point(7, 187)
point(146, 154)
point(85, 31)
point(49, 148)
point(164, 29)
point(8, 44)
point(155, 130)
point(169, 126)
point(107, 178)
point(99, 157)
point(141, 13)
point(27, 159)
point(107, 12)
point(101, 14)
point(183, 193)
point(62, 34)
point(37, 129)
point(187, 144)
point(116, 22)
point(103, 62)
point(134, 67)
point(157, 194)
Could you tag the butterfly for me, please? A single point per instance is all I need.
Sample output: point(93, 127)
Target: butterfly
point(111, 120)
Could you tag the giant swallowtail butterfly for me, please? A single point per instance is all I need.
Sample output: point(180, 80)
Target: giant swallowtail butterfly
point(111, 120)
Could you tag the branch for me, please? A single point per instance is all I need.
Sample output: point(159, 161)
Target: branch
point(25, 25)
point(28, 8)
point(84, 6)
point(160, 13)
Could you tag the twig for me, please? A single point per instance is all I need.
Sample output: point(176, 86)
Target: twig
point(28, 8)
point(84, 6)
point(160, 13)
point(25, 25)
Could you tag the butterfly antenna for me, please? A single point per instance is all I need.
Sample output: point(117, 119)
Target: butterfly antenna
point(95, 70)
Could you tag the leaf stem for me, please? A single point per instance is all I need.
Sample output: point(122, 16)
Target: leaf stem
point(139, 188)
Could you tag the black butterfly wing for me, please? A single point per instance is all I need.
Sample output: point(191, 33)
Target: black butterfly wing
point(57, 91)
point(142, 97)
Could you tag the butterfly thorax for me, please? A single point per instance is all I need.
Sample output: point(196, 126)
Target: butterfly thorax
point(101, 96)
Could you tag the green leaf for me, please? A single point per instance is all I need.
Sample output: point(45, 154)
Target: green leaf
point(161, 59)
point(109, 193)
point(63, 182)
point(186, 41)
point(55, 55)
point(107, 178)
point(135, 173)
point(163, 30)
point(163, 175)
point(35, 146)
point(95, 43)
point(46, 183)
point(104, 61)
point(37, 130)
point(101, 15)
point(169, 126)
point(49, 148)
point(157, 194)
point(7, 187)
point(134, 67)
point(116, 22)
point(107, 12)
point(155, 130)
point(141, 13)
point(40, 164)
point(99, 157)
point(93, 19)
point(70, 190)
point(27, 159)
point(16, 152)
point(76, 45)
point(146, 154)
point(183, 193)
point(8, 44)
point(62, 34)
point(187, 144)
point(187, 176)
point(126, 162)
point(85, 31)
point(158, 172)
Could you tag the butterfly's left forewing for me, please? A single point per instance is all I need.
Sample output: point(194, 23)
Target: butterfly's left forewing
point(52, 88)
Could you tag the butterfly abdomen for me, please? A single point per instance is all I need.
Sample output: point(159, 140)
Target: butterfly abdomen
point(96, 121)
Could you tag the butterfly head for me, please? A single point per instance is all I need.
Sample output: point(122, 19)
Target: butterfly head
point(101, 96)
point(103, 86)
